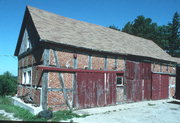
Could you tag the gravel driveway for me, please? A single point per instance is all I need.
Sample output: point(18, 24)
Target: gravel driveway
point(160, 111)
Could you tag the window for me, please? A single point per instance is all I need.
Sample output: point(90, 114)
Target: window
point(28, 45)
point(24, 78)
point(119, 81)
point(26, 38)
point(27, 77)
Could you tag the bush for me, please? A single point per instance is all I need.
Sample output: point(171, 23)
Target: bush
point(5, 100)
point(8, 84)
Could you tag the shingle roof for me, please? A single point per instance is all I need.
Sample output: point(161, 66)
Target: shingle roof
point(72, 32)
point(177, 60)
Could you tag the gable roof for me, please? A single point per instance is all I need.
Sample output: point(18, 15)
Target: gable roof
point(62, 30)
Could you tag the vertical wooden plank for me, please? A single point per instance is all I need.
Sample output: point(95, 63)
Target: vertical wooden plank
point(100, 89)
point(61, 80)
point(105, 63)
point(160, 67)
point(75, 62)
point(107, 88)
point(45, 79)
point(90, 62)
point(80, 93)
point(94, 91)
point(90, 88)
point(115, 63)
point(125, 79)
point(75, 91)
point(156, 86)
point(164, 86)
point(114, 89)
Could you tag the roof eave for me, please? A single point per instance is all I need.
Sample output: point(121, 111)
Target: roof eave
point(121, 54)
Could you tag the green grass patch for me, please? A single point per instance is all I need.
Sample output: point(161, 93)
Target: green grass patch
point(25, 115)
point(21, 113)
point(5, 100)
point(3, 117)
point(65, 115)
point(149, 104)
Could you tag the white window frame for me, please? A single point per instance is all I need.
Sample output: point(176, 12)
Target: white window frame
point(26, 79)
point(122, 81)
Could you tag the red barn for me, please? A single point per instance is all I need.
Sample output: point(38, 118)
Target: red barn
point(69, 64)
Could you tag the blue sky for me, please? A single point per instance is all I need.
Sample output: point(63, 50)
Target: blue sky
point(101, 12)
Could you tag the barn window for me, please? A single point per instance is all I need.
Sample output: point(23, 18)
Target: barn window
point(24, 78)
point(28, 44)
point(27, 77)
point(119, 81)
point(26, 38)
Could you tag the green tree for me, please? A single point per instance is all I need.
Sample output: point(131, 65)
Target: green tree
point(174, 39)
point(162, 36)
point(114, 27)
point(142, 27)
point(8, 84)
point(128, 28)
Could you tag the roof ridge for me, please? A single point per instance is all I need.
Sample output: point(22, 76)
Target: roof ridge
point(30, 7)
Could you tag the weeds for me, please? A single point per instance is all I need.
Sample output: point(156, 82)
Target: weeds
point(25, 115)
point(2, 117)
point(149, 104)
point(65, 115)
point(5, 100)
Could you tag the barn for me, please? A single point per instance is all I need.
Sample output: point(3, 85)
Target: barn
point(69, 64)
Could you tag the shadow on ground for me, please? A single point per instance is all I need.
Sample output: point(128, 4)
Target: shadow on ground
point(174, 102)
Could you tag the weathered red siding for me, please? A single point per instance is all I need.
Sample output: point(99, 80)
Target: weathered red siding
point(138, 77)
point(160, 86)
point(95, 89)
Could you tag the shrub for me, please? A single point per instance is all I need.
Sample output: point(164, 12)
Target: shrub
point(5, 100)
point(8, 84)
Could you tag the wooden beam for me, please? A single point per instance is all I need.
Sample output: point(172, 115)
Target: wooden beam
point(171, 74)
point(45, 68)
point(61, 80)
point(89, 62)
point(59, 89)
point(105, 63)
point(45, 80)
point(115, 63)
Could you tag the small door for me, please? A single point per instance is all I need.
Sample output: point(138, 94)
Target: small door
point(119, 88)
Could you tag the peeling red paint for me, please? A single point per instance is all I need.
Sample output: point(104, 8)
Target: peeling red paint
point(95, 89)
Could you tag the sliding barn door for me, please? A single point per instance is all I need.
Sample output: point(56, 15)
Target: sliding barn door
point(95, 89)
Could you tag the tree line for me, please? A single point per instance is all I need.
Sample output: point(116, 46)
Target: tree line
point(8, 84)
point(166, 36)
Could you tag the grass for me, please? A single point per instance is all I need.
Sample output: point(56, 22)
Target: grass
point(65, 115)
point(3, 117)
point(25, 115)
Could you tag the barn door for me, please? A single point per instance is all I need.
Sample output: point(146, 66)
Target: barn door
point(95, 89)
point(160, 86)
point(138, 81)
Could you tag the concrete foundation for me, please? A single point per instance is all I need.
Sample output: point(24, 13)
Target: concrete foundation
point(32, 109)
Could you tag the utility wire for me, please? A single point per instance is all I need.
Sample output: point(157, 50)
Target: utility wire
point(11, 56)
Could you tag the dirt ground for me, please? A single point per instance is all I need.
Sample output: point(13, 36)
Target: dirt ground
point(161, 111)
